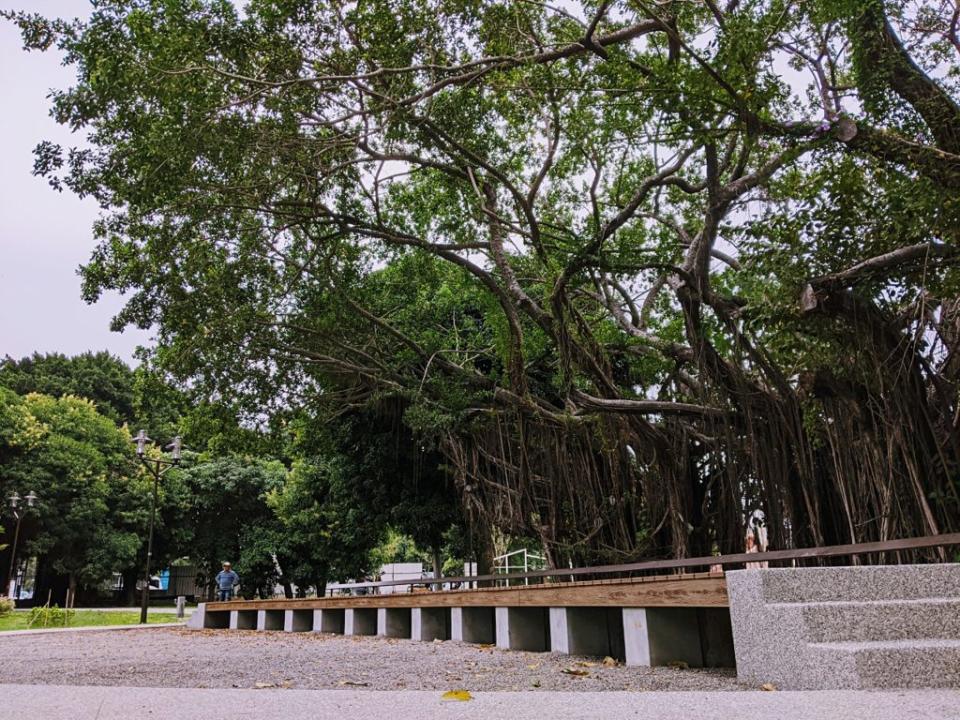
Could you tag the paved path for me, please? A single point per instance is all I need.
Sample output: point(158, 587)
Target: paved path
point(87, 628)
point(51, 702)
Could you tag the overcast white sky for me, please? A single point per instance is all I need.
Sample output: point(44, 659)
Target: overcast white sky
point(44, 235)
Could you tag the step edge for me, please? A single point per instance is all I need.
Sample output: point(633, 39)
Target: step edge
point(939, 600)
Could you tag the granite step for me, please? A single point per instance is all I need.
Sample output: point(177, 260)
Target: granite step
point(838, 621)
point(932, 663)
point(861, 583)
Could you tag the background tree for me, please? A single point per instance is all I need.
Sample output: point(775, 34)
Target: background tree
point(100, 377)
point(91, 507)
point(627, 275)
point(231, 520)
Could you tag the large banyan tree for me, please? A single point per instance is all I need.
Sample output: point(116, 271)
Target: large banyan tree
point(638, 270)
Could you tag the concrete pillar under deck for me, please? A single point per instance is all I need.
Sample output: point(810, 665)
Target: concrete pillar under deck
point(428, 624)
point(329, 621)
point(587, 631)
point(269, 619)
point(243, 619)
point(657, 636)
point(473, 625)
point(523, 628)
point(360, 621)
point(393, 622)
point(298, 620)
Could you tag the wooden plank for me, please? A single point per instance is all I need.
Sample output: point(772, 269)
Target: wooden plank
point(674, 592)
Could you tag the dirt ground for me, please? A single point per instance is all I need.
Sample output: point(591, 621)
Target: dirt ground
point(176, 657)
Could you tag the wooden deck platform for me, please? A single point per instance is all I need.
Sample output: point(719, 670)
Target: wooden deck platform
point(692, 590)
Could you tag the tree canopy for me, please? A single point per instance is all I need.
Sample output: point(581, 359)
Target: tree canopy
point(633, 270)
point(100, 377)
point(90, 511)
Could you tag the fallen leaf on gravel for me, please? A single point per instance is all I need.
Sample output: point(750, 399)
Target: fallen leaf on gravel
point(353, 683)
point(679, 664)
point(536, 683)
point(286, 684)
point(609, 662)
point(769, 687)
point(457, 695)
point(485, 646)
point(533, 666)
point(438, 640)
point(584, 663)
point(575, 672)
point(263, 685)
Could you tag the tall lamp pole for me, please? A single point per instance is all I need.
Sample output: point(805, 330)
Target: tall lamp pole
point(14, 500)
point(157, 467)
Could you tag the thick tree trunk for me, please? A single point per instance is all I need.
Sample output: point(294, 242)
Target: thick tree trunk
point(437, 564)
point(128, 591)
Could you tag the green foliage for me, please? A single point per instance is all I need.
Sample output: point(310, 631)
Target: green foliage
point(230, 519)
point(91, 509)
point(6, 606)
point(99, 377)
point(397, 548)
point(444, 244)
point(44, 616)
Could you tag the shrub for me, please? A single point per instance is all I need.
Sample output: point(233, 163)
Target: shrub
point(6, 606)
point(46, 616)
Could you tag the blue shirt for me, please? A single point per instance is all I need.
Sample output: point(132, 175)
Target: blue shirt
point(226, 579)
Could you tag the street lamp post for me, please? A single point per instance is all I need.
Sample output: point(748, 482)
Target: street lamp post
point(157, 467)
point(14, 500)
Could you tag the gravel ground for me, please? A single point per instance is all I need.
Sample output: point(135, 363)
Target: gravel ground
point(175, 657)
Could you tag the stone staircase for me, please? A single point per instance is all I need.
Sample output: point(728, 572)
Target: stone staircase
point(895, 626)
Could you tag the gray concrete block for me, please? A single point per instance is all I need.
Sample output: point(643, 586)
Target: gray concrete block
point(243, 619)
point(270, 619)
point(329, 621)
point(473, 625)
point(858, 583)
point(900, 663)
point(523, 628)
point(298, 620)
point(393, 622)
point(429, 624)
point(847, 627)
point(360, 621)
point(196, 620)
point(587, 631)
point(662, 635)
point(929, 619)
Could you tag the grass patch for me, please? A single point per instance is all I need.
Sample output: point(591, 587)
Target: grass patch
point(20, 620)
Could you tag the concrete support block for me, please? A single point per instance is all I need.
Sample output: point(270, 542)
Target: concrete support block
point(360, 621)
point(456, 624)
point(298, 620)
point(393, 622)
point(197, 618)
point(243, 619)
point(559, 632)
point(329, 621)
point(587, 631)
point(428, 624)
point(269, 619)
point(473, 625)
point(658, 636)
point(523, 628)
